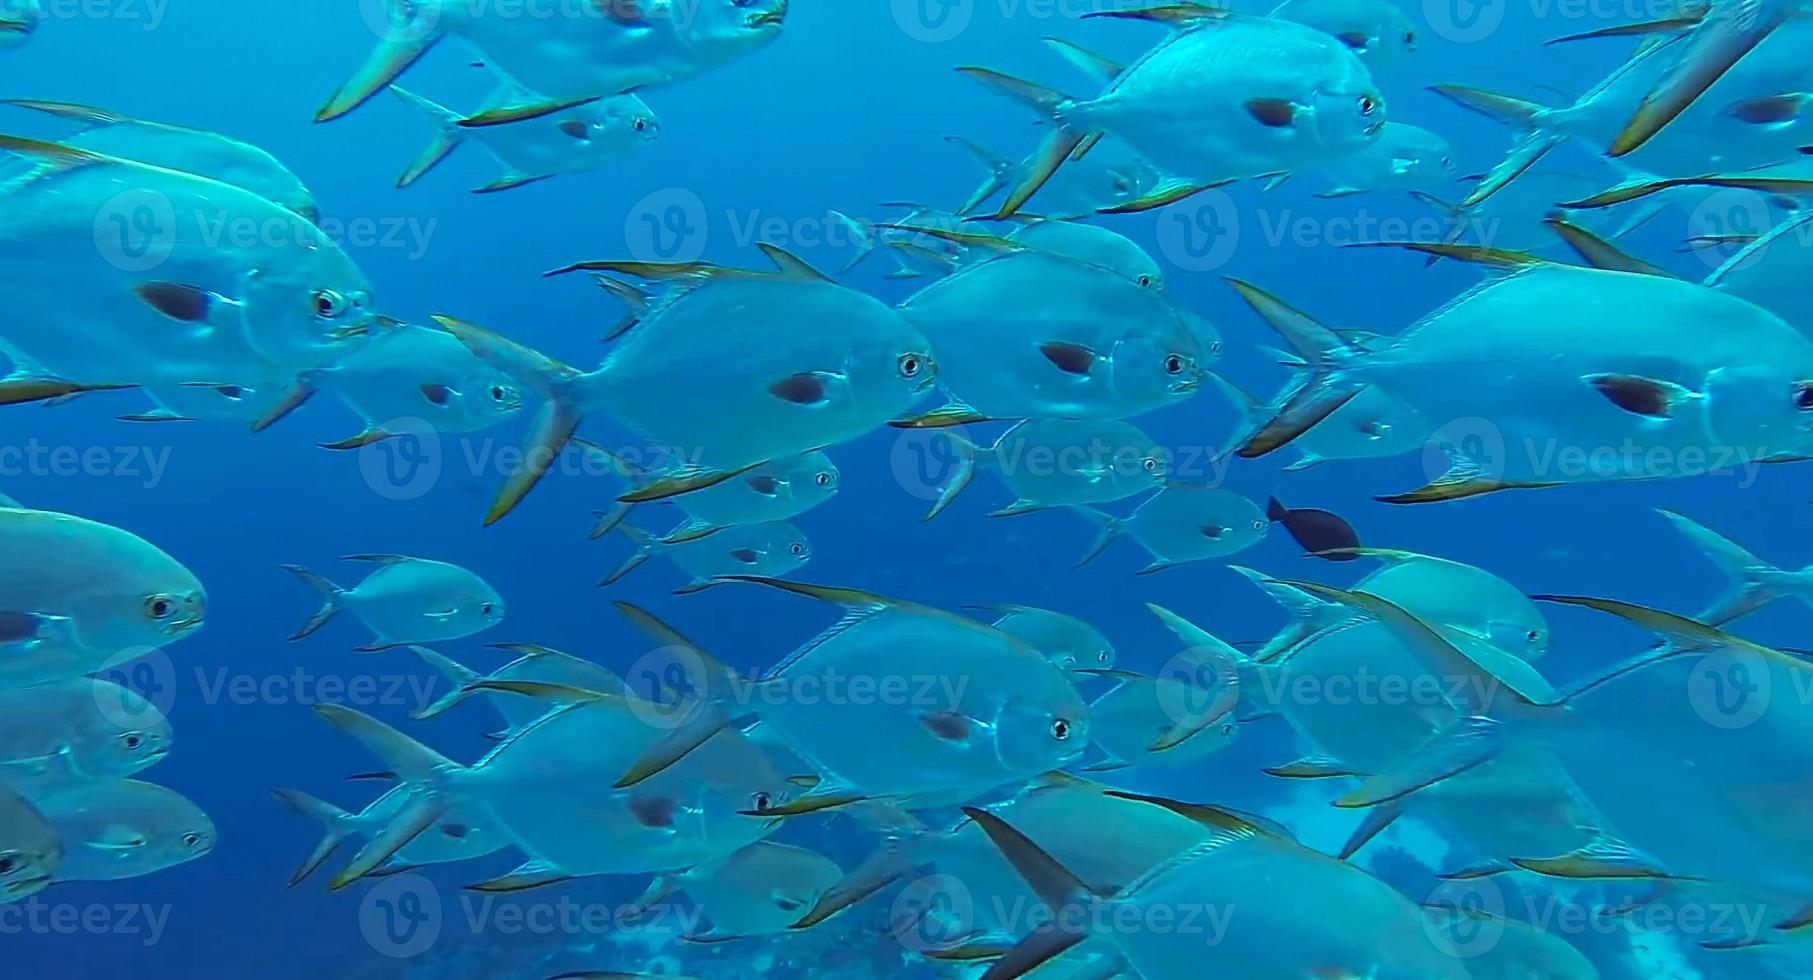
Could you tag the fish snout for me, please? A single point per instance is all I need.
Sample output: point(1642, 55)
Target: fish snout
point(773, 17)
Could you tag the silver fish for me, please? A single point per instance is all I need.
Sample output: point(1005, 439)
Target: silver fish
point(59, 735)
point(125, 829)
point(30, 850)
point(407, 600)
point(569, 142)
point(769, 550)
point(1183, 523)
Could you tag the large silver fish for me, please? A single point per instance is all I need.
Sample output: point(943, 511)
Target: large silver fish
point(1229, 96)
point(81, 596)
point(458, 835)
point(125, 829)
point(732, 368)
point(576, 56)
point(569, 142)
point(59, 735)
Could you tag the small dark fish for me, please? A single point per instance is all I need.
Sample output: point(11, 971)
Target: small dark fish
point(1317, 531)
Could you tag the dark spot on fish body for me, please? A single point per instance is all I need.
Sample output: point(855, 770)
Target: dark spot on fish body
point(1355, 40)
point(437, 394)
point(1213, 532)
point(947, 725)
point(654, 811)
point(17, 626)
point(1639, 396)
point(1769, 110)
point(1272, 113)
point(574, 128)
point(176, 301)
point(1069, 358)
point(455, 831)
point(745, 555)
point(805, 388)
point(767, 486)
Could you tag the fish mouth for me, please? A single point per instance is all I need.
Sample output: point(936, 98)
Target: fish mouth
point(1375, 128)
point(768, 18)
point(181, 627)
point(1186, 385)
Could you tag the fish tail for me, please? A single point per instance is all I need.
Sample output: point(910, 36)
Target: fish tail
point(448, 135)
point(1239, 683)
point(1517, 113)
point(1252, 410)
point(609, 519)
point(1275, 510)
point(1754, 583)
point(1057, 148)
point(413, 29)
point(428, 773)
point(332, 819)
point(555, 423)
point(1057, 886)
point(645, 549)
point(1721, 40)
point(962, 472)
point(1328, 363)
point(1526, 154)
point(1000, 173)
point(330, 592)
point(861, 235)
point(1111, 528)
point(461, 676)
point(1308, 615)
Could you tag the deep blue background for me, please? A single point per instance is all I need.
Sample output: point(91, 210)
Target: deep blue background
point(845, 111)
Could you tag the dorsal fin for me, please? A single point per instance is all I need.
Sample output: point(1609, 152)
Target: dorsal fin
point(967, 239)
point(1600, 253)
point(790, 265)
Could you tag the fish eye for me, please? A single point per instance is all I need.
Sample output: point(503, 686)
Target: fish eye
point(1060, 729)
point(131, 741)
point(1229, 729)
point(328, 304)
point(1103, 657)
point(909, 365)
point(1368, 105)
point(1145, 281)
point(1259, 525)
point(1150, 464)
point(797, 549)
point(1175, 363)
point(497, 393)
point(823, 479)
point(640, 124)
point(485, 610)
point(1533, 635)
point(1410, 38)
point(10, 863)
point(191, 839)
point(1803, 396)
point(159, 606)
point(761, 801)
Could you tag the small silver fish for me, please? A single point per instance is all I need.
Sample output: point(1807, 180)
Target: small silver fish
point(771, 550)
point(1183, 523)
point(125, 829)
point(407, 600)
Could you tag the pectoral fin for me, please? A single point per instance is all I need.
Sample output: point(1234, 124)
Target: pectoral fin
point(1638, 395)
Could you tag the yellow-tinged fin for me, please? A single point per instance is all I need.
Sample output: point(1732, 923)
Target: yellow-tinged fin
point(1501, 258)
point(614, 975)
point(1667, 25)
point(1600, 253)
point(685, 480)
point(1679, 630)
point(790, 265)
point(1162, 197)
point(1314, 767)
point(943, 417)
point(957, 236)
point(393, 56)
point(848, 598)
point(530, 876)
point(70, 110)
point(419, 814)
point(371, 436)
point(1177, 14)
point(1218, 819)
point(1729, 32)
point(1461, 487)
point(1055, 885)
point(21, 391)
point(541, 690)
point(1604, 859)
point(1377, 820)
point(1057, 149)
point(523, 112)
point(653, 271)
point(1466, 746)
point(808, 804)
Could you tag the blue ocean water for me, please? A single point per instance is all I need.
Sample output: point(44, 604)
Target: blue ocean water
point(846, 110)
